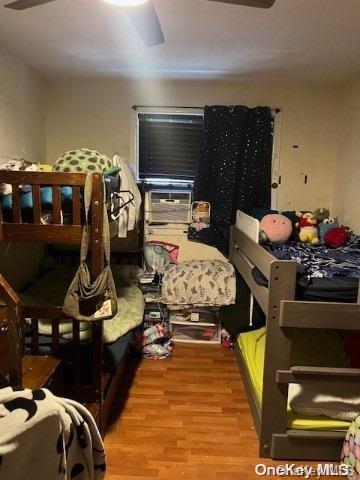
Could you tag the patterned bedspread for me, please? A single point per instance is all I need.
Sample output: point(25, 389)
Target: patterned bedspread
point(319, 260)
point(199, 283)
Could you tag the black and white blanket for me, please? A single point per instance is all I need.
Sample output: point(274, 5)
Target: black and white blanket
point(48, 438)
point(319, 260)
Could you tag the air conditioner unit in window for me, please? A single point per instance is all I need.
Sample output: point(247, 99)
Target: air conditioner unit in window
point(168, 206)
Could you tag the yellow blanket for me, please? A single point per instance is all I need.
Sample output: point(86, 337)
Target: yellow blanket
point(252, 345)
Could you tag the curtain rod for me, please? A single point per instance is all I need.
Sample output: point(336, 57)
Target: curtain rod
point(135, 107)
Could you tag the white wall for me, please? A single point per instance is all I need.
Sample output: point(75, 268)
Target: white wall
point(347, 171)
point(22, 114)
point(22, 134)
point(97, 113)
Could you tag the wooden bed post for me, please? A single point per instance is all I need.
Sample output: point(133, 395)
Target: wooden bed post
point(14, 333)
point(282, 281)
point(97, 265)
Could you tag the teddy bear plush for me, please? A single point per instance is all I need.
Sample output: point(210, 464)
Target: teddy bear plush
point(275, 228)
point(308, 228)
point(321, 214)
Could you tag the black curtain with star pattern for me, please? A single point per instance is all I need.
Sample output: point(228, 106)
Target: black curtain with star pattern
point(234, 170)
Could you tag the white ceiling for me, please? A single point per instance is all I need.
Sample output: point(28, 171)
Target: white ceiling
point(302, 40)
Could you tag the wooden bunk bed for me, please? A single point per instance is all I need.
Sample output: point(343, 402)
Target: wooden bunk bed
point(98, 394)
point(284, 314)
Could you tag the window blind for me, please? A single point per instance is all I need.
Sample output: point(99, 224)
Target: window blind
point(169, 145)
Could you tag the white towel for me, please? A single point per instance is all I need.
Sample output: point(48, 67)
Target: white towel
point(341, 403)
point(47, 437)
point(129, 215)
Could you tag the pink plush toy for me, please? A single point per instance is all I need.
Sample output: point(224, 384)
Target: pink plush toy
point(275, 228)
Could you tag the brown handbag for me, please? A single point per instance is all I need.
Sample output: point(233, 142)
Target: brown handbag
point(86, 300)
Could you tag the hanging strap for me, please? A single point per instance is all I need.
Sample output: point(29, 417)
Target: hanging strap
point(84, 247)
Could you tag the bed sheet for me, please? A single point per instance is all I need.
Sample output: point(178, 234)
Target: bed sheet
point(320, 261)
point(112, 354)
point(26, 197)
point(252, 345)
point(335, 289)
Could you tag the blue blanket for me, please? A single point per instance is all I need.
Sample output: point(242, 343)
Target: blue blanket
point(319, 260)
point(26, 198)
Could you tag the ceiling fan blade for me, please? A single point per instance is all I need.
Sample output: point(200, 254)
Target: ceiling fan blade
point(24, 4)
point(146, 22)
point(249, 3)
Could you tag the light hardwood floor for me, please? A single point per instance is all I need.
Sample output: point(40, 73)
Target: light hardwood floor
point(186, 417)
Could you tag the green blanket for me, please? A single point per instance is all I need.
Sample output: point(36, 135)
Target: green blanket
point(50, 290)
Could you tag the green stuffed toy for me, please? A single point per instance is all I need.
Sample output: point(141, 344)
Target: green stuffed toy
point(83, 160)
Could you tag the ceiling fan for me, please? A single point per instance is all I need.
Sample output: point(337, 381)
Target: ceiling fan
point(142, 14)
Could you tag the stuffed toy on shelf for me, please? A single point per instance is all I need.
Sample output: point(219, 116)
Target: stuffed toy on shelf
point(308, 228)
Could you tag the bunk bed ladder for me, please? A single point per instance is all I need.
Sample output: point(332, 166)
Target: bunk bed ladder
point(282, 285)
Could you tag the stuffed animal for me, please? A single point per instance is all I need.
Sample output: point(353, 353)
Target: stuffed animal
point(325, 225)
point(336, 237)
point(321, 214)
point(308, 230)
point(15, 166)
point(275, 228)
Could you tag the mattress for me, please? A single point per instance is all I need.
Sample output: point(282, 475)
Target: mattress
point(50, 290)
point(252, 346)
point(112, 354)
point(335, 289)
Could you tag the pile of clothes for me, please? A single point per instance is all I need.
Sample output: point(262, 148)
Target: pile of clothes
point(154, 341)
point(16, 166)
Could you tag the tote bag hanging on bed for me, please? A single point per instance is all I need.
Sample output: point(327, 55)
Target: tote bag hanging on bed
point(86, 300)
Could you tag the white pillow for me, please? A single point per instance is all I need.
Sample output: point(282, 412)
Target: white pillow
point(335, 401)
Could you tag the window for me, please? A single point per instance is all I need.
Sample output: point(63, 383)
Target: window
point(168, 146)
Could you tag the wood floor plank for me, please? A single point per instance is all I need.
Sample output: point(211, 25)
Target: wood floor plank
point(185, 418)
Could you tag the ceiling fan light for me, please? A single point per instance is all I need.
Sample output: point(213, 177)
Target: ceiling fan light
point(126, 3)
